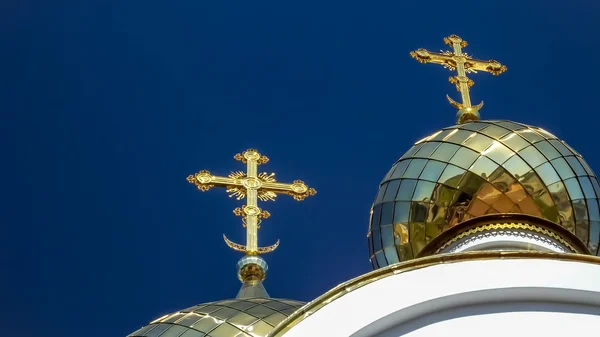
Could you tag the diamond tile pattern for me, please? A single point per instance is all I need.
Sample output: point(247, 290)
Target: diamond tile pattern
point(479, 168)
point(254, 317)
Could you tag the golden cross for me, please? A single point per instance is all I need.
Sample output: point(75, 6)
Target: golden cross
point(463, 64)
point(253, 186)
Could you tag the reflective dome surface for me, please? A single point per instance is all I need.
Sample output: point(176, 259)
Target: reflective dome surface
point(479, 168)
point(254, 317)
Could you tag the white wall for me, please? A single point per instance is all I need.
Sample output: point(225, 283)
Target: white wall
point(464, 298)
point(516, 319)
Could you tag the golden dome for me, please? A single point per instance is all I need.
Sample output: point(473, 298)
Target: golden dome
point(478, 168)
point(252, 317)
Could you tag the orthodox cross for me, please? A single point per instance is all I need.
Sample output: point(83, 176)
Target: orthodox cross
point(252, 186)
point(463, 64)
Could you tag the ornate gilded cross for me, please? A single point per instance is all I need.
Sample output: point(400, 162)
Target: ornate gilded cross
point(253, 186)
point(463, 64)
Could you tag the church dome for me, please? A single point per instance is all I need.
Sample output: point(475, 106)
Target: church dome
point(251, 317)
point(478, 168)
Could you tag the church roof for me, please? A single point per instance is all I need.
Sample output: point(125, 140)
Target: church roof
point(394, 295)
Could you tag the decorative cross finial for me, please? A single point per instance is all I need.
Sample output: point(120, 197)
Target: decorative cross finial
point(252, 186)
point(462, 63)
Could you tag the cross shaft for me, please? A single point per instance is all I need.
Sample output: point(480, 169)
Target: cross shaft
point(252, 186)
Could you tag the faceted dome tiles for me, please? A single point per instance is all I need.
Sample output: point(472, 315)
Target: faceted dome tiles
point(254, 317)
point(479, 168)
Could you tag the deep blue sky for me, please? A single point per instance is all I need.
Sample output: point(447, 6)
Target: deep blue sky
point(108, 105)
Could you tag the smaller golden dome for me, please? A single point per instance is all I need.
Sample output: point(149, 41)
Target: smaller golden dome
point(252, 317)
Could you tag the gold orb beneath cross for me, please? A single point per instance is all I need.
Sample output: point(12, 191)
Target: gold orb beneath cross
point(467, 114)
